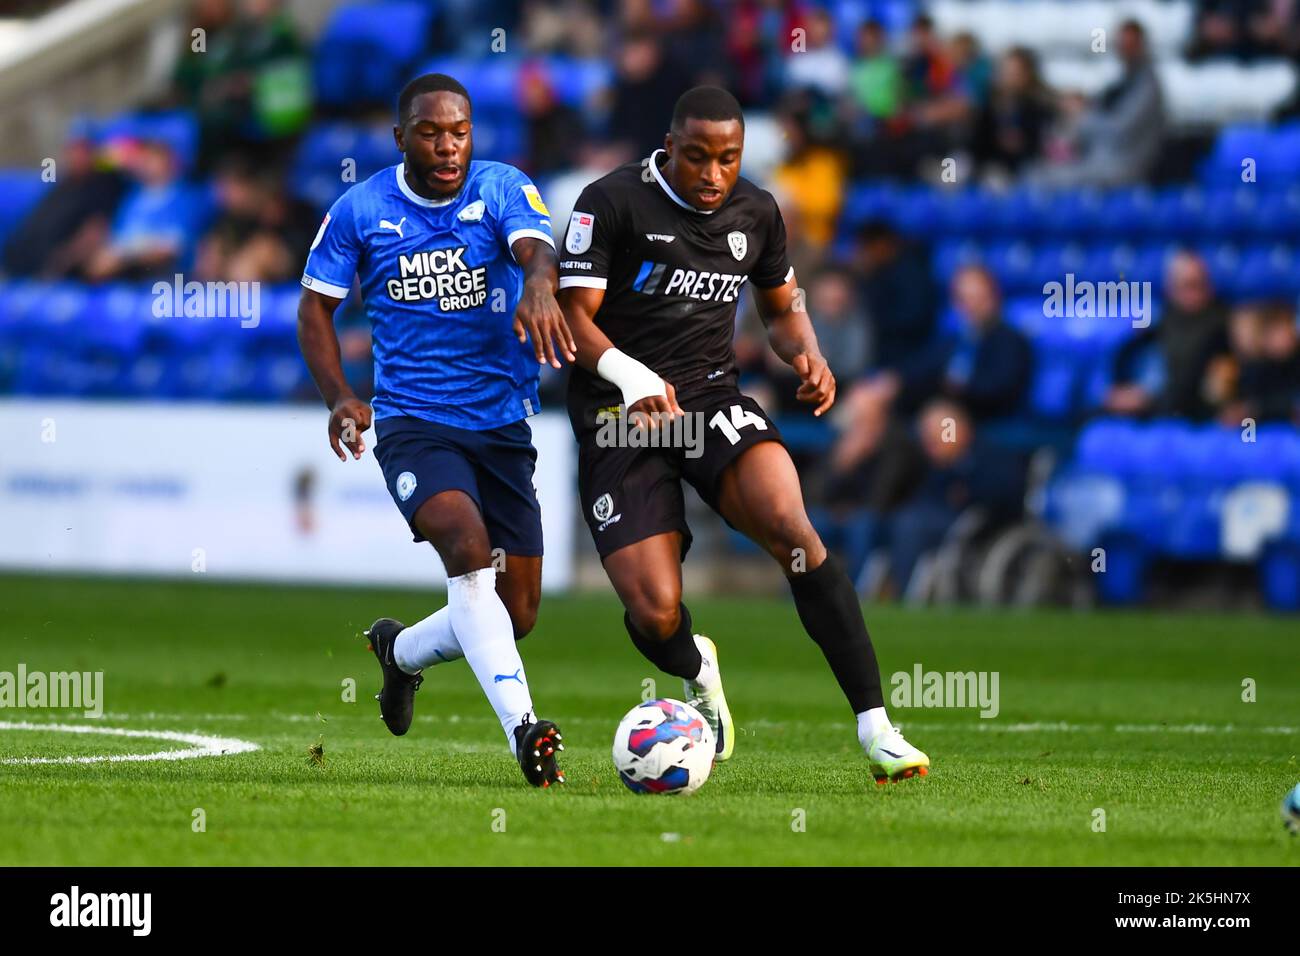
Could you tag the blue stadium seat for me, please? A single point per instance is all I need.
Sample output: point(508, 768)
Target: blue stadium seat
point(317, 168)
point(1126, 214)
point(1177, 213)
point(1279, 575)
point(1075, 215)
point(865, 201)
point(1234, 145)
point(368, 51)
point(578, 82)
point(20, 191)
point(1278, 216)
point(492, 82)
point(1268, 271)
point(966, 212)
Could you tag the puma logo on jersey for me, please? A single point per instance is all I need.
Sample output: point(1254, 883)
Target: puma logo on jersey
point(659, 237)
point(395, 226)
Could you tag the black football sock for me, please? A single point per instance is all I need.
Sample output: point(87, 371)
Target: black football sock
point(828, 607)
point(677, 655)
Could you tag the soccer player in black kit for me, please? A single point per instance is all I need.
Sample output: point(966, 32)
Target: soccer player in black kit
point(655, 259)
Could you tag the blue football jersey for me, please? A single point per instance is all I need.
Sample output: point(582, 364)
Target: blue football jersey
point(440, 286)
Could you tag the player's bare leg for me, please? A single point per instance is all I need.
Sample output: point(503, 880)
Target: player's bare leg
point(647, 576)
point(482, 628)
point(519, 585)
point(759, 494)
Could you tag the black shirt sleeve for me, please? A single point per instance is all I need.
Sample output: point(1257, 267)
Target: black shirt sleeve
point(589, 240)
point(773, 267)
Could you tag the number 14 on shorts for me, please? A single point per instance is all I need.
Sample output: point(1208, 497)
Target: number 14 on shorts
point(739, 418)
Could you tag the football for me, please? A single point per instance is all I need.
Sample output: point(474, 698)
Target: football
point(1291, 810)
point(663, 746)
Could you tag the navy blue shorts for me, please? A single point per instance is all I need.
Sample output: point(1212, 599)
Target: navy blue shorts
point(494, 467)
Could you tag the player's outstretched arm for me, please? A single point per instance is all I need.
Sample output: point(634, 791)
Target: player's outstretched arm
point(645, 394)
point(538, 316)
point(790, 331)
point(349, 415)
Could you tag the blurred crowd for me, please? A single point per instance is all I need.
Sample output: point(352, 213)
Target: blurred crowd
point(914, 442)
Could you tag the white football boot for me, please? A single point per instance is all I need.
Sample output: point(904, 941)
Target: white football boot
point(712, 705)
point(894, 759)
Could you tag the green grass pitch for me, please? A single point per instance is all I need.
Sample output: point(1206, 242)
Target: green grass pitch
point(1137, 715)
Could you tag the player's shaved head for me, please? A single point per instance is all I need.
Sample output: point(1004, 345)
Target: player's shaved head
point(428, 83)
point(435, 132)
point(704, 146)
point(706, 103)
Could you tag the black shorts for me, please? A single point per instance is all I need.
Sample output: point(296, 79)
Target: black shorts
point(630, 493)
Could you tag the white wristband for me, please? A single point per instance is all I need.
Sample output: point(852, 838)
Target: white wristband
point(635, 380)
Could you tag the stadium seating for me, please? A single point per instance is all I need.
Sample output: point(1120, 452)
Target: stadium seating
point(368, 50)
point(1157, 491)
point(20, 190)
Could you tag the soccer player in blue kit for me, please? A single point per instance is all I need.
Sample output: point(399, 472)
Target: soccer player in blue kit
point(458, 275)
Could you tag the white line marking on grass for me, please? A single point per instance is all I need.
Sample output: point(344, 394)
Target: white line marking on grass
point(203, 745)
point(1118, 728)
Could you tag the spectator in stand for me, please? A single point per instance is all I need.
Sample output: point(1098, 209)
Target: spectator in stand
point(958, 471)
point(819, 65)
point(555, 130)
point(811, 178)
point(1245, 29)
point(973, 68)
point(758, 36)
point(985, 366)
point(943, 120)
point(1115, 140)
point(1161, 370)
point(1011, 126)
point(646, 86)
point(570, 27)
point(897, 291)
point(250, 86)
point(842, 335)
point(1260, 380)
point(876, 80)
point(928, 69)
point(693, 30)
point(155, 227)
point(843, 332)
point(204, 56)
point(71, 221)
point(260, 231)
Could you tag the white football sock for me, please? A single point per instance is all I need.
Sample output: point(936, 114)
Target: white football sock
point(487, 638)
point(872, 723)
point(427, 642)
point(709, 677)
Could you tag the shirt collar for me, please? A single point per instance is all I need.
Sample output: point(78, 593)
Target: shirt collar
point(415, 197)
point(654, 168)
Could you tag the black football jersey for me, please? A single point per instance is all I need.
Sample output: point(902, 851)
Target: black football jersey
point(672, 274)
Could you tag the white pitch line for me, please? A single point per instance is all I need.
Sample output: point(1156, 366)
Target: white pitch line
point(1122, 728)
point(203, 745)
